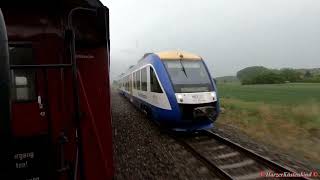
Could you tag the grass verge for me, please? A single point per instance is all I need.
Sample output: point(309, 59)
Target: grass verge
point(292, 128)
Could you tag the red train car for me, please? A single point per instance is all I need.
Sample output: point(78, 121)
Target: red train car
point(55, 117)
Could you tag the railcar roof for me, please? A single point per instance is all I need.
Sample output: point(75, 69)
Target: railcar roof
point(174, 55)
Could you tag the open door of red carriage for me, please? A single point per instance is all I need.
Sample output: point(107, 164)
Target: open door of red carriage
point(55, 117)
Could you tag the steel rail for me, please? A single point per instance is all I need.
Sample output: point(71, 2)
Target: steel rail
point(263, 160)
point(213, 167)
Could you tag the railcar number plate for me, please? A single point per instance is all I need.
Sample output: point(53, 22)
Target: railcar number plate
point(198, 98)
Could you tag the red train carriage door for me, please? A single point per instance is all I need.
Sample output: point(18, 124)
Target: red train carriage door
point(29, 125)
point(28, 110)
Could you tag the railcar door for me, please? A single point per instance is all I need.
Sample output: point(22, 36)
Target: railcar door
point(23, 131)
point(28, 93)
point(29, 125)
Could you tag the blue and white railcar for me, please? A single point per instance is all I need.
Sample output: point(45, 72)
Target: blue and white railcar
point(174, 88)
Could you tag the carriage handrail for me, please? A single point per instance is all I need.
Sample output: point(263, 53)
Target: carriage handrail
point(35, 66)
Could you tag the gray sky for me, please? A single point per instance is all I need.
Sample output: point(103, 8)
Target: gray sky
point(228, 34)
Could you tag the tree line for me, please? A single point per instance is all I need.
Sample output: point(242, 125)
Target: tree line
point(263, 75)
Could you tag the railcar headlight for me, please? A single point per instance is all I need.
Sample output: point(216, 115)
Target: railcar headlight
point(213, 95)
point(179, 96)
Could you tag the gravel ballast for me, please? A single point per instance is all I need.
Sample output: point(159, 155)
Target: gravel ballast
point(143, 151)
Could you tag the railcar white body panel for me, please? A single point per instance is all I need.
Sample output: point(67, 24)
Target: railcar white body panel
point(159, 100)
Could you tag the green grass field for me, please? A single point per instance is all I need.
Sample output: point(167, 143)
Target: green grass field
point(286, 94)
point(284, 115)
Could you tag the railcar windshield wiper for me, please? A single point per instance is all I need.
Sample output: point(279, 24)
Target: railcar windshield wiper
point(183, 69)
point(186, 76)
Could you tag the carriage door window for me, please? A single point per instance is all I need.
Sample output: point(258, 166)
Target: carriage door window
point(154, 83)
point(23, 80)
point(144, 79)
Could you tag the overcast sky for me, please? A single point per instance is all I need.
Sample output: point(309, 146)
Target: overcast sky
point(228, 34)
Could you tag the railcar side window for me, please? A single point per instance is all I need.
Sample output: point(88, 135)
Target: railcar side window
point(128, 83)
point(144, 79)
point(23, 80)
point(134, 80)
point(138, 80)
point(155, 86)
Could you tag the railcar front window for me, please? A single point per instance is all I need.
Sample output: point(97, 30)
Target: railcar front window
point(154, 84)
point(188, 76)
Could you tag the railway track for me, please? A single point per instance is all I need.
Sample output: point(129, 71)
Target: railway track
point(230, 160)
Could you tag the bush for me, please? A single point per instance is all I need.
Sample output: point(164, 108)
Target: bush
point(314, 79)
point(262, 75)
point(267, 77)
point(246, 74)
point(290, 75)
